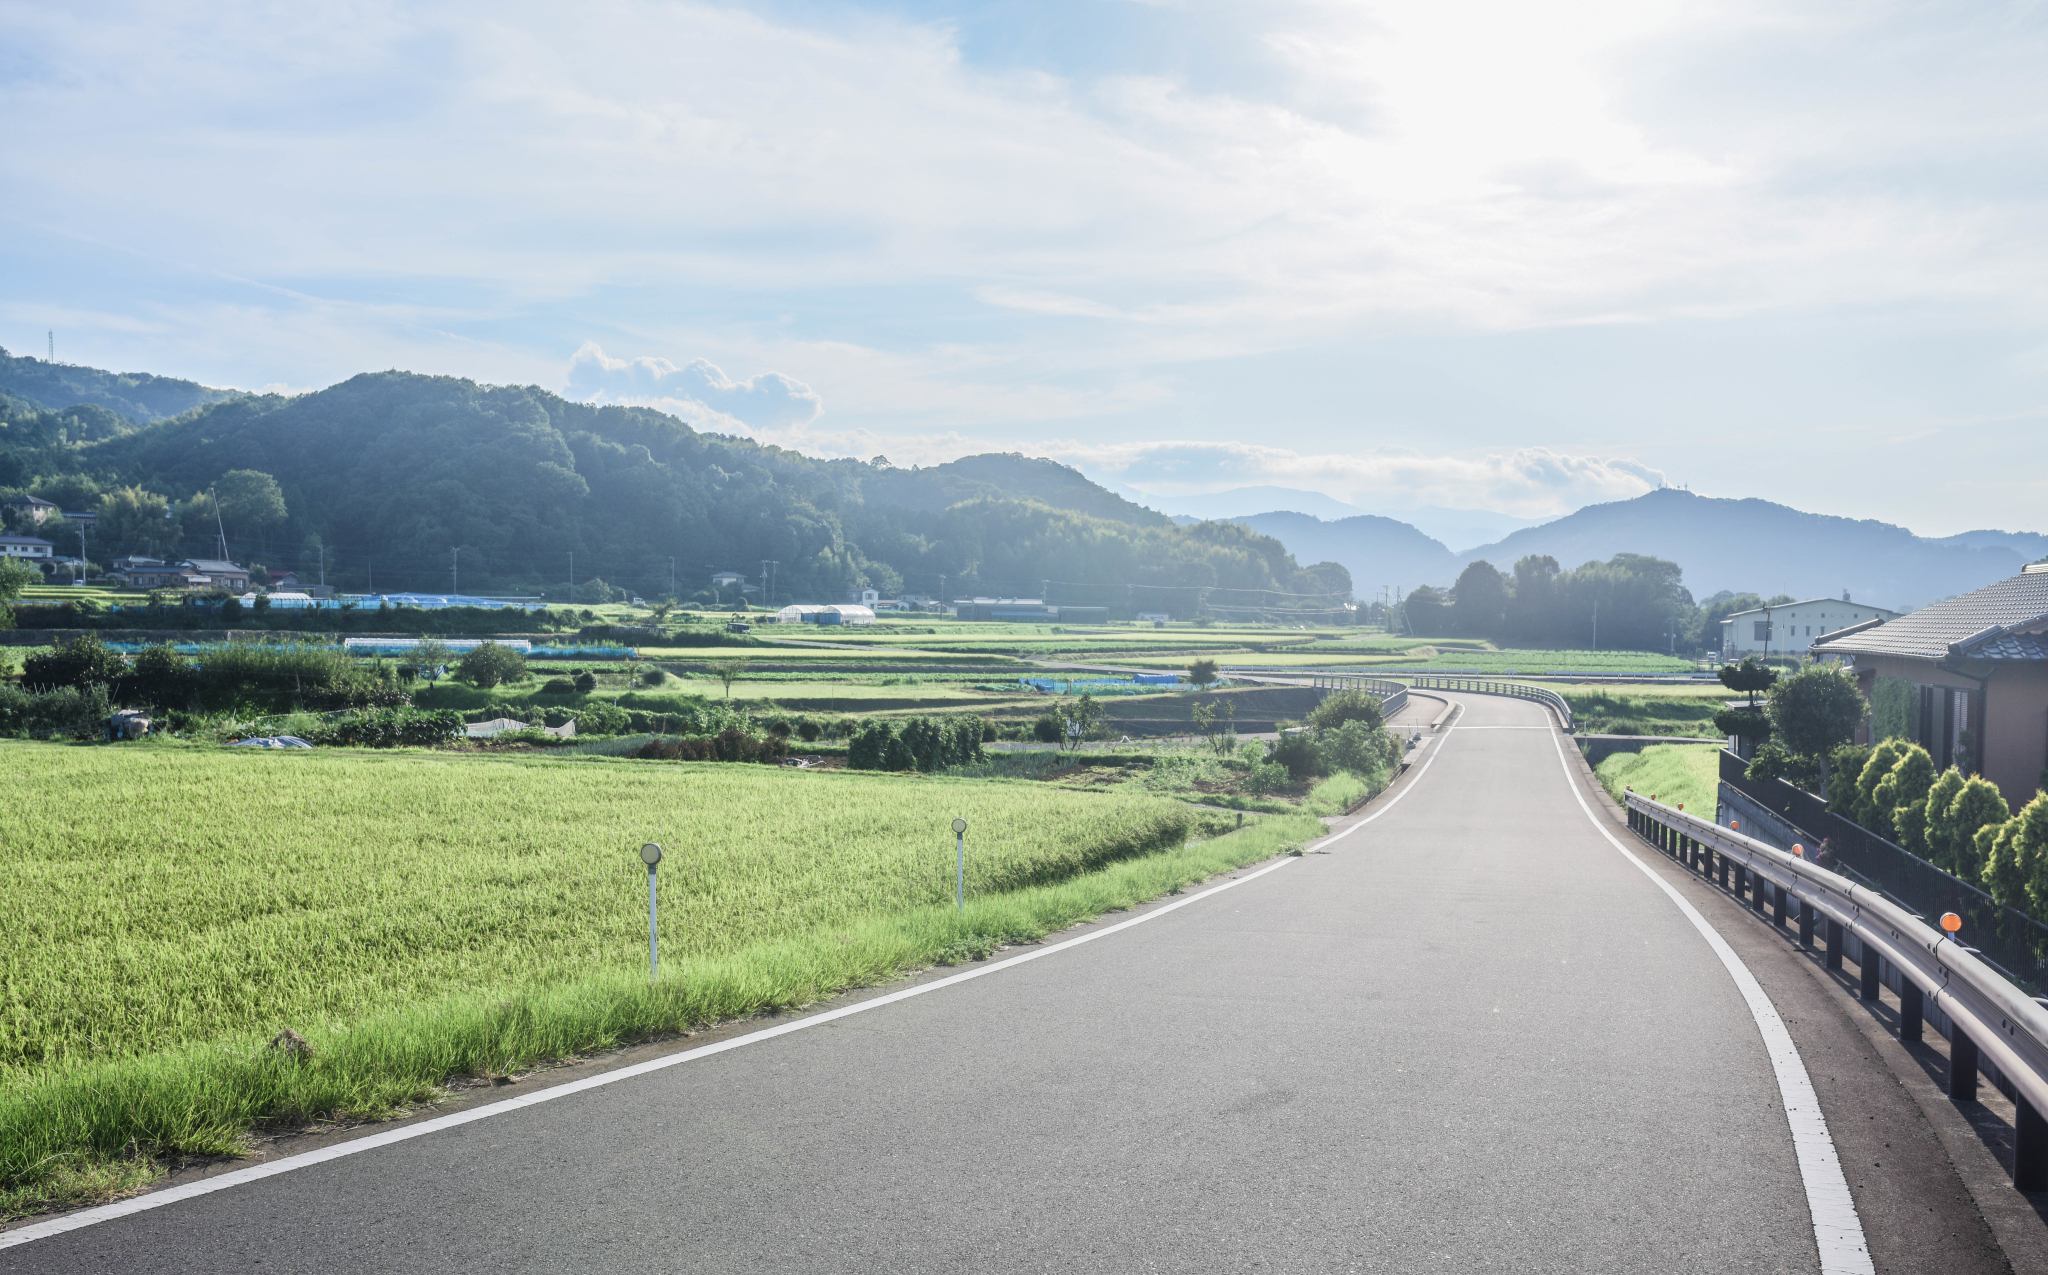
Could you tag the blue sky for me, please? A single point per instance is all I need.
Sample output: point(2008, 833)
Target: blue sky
point(1471, 255)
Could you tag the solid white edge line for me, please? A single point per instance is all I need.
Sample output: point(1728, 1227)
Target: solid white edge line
point(172, 1195)
point(1436, 746)
point(1837, 1230)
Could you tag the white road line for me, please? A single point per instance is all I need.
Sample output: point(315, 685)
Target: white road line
point(1837, 1230)
point(1435, 748)
point(256, 1173)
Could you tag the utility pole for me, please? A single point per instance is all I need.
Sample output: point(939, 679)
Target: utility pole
point(454, 567)
point(768, 581)
point(218, 525)
point(572, 577)
point(53, 345)
point(672, 576)
point(1596, 624)
point(323, 565)
point(371, 565)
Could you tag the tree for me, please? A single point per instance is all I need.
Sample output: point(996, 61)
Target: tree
point(162, 679)
point(1480, 600)
point(1902, 796)
point(1748, 677)
point(1218, 728)
point(488, 664)
point(1882, 758)
point(727, 672)
point(136, 521)
point(1977, 806)
point(1080, 719)
point(16, 576)
point(250, 499)
point(1202, 672)
point(1751, 722)
point(1347, 706)
point(660, 610)
point(1814, 711)
point(430, 653)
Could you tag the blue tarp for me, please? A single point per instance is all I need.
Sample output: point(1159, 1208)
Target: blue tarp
point(272, 741)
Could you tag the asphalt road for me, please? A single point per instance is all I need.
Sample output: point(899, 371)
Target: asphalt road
point(1470, 1037)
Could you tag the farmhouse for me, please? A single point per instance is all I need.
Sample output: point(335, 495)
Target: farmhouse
point(192, 573)
point(1027, 611)
point(1792, 628)
point(1967, 679)
point(29, 507)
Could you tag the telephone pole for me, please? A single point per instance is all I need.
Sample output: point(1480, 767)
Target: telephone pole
point(572, 577)
point(1596, 624)
point(454, 568)
point(218, 525)
point(672, 577)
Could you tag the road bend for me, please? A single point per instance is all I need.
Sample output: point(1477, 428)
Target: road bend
point(1470, 1036)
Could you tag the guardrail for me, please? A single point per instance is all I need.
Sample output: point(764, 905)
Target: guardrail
point(1988, 1016)
point(1393, 696)
point(1479, 686)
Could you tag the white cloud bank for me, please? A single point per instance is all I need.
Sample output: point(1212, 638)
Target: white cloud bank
point(695, 391)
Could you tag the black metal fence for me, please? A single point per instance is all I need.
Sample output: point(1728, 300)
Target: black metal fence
point(2009, 939)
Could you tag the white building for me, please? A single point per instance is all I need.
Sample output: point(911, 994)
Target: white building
point(26, 547)
point(1792, 628)
point(807, 614)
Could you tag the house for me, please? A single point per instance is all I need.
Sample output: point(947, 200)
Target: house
point(1792, 628)
point(26, 547)
point(1966, 678)
point(730, 580)
point(30, 508)
point(193, 573)
point(122, 566)
point(1157, 619)
point(283, 580)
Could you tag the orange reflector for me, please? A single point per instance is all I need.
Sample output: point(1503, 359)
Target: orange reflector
point(1735, 824)
point(1798, 849)
point(1951, 922)
point(1681, 805)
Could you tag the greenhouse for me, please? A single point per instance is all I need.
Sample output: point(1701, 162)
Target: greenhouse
point(806, 614)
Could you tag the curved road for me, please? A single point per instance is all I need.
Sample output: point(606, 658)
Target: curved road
point(1472, 1036)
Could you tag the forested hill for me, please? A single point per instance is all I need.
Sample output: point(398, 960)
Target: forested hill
point(138, 396)
point(417, 482)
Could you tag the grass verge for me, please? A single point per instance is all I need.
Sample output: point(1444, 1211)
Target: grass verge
point(1672, 773)
point(89, 1131)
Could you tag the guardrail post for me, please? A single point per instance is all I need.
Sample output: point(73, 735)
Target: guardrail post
point(2029, 1147)
point(1724, 871)
point(1834, 934)
point(1756, 892)
point(1777, 905)
point(1962, 1065)
point(1873, 974)
point(1912, 1007)
point(1806, 924)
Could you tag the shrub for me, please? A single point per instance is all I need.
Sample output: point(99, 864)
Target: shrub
point(728, 745)
point(1901, 796)
point(1975, 807)
point(2016, 865)
point(558, 686)
point(24, 711)
point(808, 730)
point(161, 679)
point(1347, 706)
point(1882, 758)
point(83, 662)
point(1266, 777)
point(1361, 749)
point(652, 677)
point(488, 664)
point(919, 743)
point(601, 719)
point(390, 728)
point(585, 683)
point(1046, 730)
point(1298, 752)
point(1748, 723)
point(1846, 764)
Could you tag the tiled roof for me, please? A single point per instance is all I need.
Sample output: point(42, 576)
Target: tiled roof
point(2001, 621)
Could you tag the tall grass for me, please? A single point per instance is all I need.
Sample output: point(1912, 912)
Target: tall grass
point(1672, 773)
point(90, 1128)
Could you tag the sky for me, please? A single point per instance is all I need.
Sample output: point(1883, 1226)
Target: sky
point(1478, 255)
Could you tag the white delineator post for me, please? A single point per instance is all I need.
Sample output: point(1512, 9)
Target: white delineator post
point(650, 854)
point(960, 851)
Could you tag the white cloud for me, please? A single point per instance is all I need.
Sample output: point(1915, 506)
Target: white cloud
point(694, 390)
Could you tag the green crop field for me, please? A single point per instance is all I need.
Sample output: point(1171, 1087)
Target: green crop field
point(420, 915)
point(1674, 774)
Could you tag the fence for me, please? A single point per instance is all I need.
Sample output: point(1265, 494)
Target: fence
point(1479, 686)
point(1990, 1020)
point(1393, 696)
point(2013, 941)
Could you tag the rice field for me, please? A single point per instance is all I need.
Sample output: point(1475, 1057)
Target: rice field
point(417, 915)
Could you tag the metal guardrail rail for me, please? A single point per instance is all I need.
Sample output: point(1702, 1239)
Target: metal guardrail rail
point(1393, 696)
point(1987, 1013)
point(1481, 686)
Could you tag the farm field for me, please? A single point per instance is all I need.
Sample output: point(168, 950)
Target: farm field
point(1505, 662)
point(1672, 773)
point(419, 915)
point(1685, 710)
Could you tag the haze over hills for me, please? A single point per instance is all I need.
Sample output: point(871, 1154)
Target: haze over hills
point(139, 396)
point(1757, 546)
point(1451, 527)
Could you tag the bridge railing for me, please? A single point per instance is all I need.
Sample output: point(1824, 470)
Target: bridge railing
point(1393, 696)
point(1483, 686)
point(1989, 1017)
